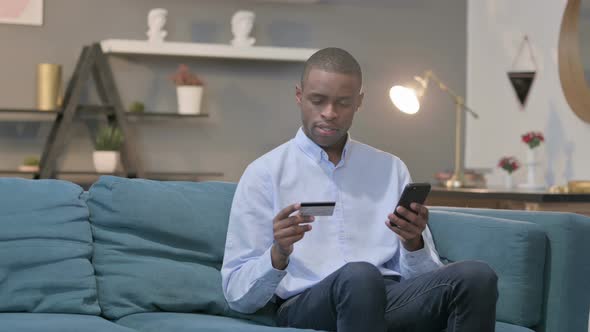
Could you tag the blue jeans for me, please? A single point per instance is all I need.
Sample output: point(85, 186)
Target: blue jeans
point(459, 297)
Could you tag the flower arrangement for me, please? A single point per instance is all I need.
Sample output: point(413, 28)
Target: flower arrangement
point(109, 139)
point(184, 76)
point(533, 139)
point(509, 164)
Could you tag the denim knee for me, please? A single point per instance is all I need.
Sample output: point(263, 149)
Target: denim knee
point(361, 277)
point(478, 277)
point(360, 272)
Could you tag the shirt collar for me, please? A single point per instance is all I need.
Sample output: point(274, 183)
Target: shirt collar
point(315, 151)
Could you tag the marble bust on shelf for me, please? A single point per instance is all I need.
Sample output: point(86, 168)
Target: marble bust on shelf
point(242, 23)
point(156, 22)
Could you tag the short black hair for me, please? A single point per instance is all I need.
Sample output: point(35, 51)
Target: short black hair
point(335, 60)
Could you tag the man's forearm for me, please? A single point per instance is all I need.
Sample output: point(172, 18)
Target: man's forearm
point(252, 284)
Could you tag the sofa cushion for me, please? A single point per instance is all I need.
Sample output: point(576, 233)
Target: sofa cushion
point(183, 322)
point(505, 327)
point(45, 248)
point(29, 322)
point(159, 245)
point(514, 249)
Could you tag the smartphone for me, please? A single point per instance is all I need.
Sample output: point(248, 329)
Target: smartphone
point(413, 193)
point(317, 208)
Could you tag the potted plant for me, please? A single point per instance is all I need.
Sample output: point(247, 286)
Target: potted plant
point(30, 164)
point(106, 155)
point(189, 90)
point(137, 107)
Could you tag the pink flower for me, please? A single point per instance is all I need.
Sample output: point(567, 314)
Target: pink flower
point(509, 164)
point(533, 139)
point(183, 76)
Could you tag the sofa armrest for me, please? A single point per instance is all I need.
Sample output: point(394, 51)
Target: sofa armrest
point(514, 249)
point(566, 291)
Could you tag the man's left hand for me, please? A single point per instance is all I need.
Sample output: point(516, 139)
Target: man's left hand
point(410, 233)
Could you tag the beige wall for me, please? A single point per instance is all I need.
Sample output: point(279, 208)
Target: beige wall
point(496, 28)
point(251, 103)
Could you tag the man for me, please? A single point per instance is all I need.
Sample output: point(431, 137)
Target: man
point(352, 271)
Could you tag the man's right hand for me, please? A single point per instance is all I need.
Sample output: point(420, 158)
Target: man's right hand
point(287, 230)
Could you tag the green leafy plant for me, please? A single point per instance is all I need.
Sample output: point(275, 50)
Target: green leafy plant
point(31, 161)
point(109, 139)
point(137, 107)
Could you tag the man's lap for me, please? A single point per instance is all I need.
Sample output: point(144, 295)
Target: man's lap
point(408, 302)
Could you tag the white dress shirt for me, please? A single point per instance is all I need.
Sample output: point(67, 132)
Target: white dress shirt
point(366, 185)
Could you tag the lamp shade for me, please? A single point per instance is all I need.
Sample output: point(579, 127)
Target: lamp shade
point(405, 99)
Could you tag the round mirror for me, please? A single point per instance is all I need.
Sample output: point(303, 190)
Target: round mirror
point(574, 57)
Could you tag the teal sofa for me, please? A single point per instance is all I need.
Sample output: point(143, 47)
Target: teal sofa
point(139, 255)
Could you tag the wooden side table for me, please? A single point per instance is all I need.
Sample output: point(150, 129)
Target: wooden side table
point(511, 199)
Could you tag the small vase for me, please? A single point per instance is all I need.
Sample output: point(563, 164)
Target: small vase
point(532, 165)
point(508, 181)
point(48, 86)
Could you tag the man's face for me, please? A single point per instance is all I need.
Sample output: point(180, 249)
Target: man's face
point(328, 102)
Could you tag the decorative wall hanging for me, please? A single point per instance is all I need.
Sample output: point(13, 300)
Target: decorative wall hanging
point(522, 79)
point(28, 12)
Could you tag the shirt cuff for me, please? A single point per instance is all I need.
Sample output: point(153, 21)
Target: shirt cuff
point(416, 258)
point(271, 276)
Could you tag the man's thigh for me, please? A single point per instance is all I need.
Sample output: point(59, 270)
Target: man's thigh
point(311, 309)
point(351, 297)
point(424, 303)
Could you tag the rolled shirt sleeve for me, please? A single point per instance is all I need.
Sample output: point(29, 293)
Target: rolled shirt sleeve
point(415, 263)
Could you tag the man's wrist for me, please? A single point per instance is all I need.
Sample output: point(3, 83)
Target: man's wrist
point(414, 245)
point(279, 261)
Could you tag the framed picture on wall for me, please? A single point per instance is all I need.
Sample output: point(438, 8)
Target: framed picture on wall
point(27, 12)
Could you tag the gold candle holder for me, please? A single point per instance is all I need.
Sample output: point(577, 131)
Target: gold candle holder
point(48, 86)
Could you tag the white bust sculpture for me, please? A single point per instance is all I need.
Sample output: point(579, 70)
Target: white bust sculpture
point(156, 21)
point(241, 26)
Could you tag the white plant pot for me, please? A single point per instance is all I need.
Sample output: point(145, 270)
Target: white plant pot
point(105, 161)
point(189, 99)
point(28, 168)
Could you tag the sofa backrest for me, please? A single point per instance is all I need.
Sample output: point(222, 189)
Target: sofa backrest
point(159, 245)
point(45, 248)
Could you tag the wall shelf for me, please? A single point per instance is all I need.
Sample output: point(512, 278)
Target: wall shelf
point(163, 115)
point(93, 63)
point(16, 173)
point(24, 115)
point(149, 174)
point(127, 46)
point(92, 176)
point(87, 178)
point(88, 111)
